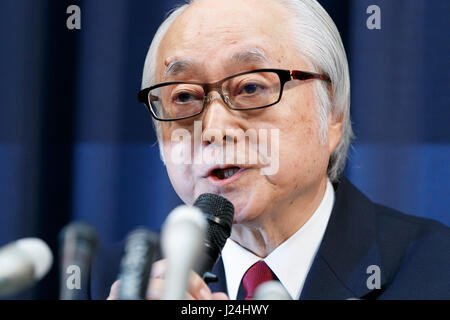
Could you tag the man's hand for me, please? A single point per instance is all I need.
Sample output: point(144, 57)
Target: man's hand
point(197, 288)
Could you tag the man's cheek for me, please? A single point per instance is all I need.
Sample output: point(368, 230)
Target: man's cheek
point(269, 152)
point(178, 147)
point(182, 181)
point(291, 157)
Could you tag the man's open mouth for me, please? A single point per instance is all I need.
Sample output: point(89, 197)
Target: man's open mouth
point(225, 173)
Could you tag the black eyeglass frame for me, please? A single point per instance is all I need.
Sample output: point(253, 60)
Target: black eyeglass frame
point(284, 75)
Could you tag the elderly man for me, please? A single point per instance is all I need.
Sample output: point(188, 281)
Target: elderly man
point(220, 69)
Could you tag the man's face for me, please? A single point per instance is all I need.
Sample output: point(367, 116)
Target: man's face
point(209, 35)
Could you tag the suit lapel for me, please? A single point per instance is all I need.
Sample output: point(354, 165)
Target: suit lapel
point(349, 247)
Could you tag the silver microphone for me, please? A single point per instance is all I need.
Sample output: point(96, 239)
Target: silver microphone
point(22, 264)
point(181, 242)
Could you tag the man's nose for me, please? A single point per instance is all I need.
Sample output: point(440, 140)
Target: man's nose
point(217, 121)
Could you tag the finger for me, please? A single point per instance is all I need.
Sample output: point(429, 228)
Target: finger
point(198, 288)
point(159, 269)
point(219, 296)
point(114, 292)
point(155, 290)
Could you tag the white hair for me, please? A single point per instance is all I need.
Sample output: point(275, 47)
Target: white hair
point(317, 39)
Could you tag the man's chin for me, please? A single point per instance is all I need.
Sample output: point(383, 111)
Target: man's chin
point(242, 207)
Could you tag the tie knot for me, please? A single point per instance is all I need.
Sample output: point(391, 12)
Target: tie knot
point(255, 276)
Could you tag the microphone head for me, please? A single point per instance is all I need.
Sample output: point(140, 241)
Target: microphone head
point(23, 263)
point(79, 232)
point(181, 242)
point(219, 213)
point(78, 245)
point(39, 254)
point(136, 264)
point(181, 226)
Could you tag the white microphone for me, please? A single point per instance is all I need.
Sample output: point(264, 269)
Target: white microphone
point(23, 263)
point(181, 242)
point(271, 290)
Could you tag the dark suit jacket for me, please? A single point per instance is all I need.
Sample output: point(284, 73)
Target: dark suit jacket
point(413, 255)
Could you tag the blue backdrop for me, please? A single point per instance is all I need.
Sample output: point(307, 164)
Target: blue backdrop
point(75, 144)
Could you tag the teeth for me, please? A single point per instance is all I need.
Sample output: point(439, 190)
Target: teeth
point(229, 172)
point(225, 173)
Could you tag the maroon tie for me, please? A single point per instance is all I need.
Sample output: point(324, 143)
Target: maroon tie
point(255, 276)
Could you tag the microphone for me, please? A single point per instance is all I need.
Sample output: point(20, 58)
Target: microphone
point(22, 264)
point(181, 241)
point(219, 213)
point(271, 290)
point(78, 242)
point(136, 264)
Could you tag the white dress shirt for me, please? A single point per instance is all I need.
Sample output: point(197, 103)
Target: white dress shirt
point(290, 261)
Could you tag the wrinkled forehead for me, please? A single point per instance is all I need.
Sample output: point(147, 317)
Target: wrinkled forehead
point(208, 39)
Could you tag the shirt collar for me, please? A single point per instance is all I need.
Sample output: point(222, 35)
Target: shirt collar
point(291, 260)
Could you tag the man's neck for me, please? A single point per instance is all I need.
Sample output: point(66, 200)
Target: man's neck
point(264, 235)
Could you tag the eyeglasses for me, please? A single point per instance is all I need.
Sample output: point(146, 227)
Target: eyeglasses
point(250, 90)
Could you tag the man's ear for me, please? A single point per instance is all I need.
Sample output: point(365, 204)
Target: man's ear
point(334, 130)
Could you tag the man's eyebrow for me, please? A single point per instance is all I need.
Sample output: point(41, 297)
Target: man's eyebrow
point(253, 55)
point(249, 56)
point(177, 67)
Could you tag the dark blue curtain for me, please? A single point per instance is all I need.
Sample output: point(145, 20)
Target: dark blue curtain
point(75, 144)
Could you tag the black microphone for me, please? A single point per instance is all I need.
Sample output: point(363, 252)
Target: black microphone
point(78, 243)
point(141, 246)
point(219, 213)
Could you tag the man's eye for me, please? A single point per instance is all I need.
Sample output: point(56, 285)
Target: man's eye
point(250, 88)
point(184, 97)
